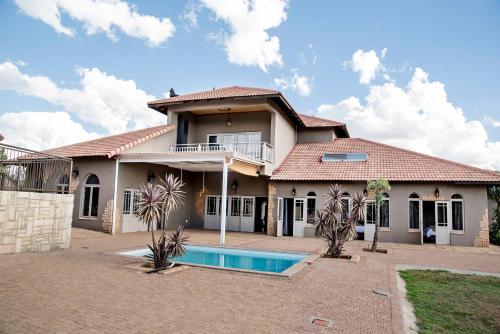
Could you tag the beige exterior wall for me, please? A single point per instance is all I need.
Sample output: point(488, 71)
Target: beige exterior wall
point(159, 144)
point(315, 135)
point(283, 134)
point(475, 206)
point(104, 169)
point(247, 186)
point(34, 222)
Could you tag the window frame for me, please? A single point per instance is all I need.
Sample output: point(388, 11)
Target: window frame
point(370, 202)
point(91, 195)
point(384, 228)
point(461, 201)
point(419, 201)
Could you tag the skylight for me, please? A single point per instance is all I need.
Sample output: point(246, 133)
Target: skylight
point(345, 157)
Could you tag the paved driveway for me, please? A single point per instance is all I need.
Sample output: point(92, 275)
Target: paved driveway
point(88, 288)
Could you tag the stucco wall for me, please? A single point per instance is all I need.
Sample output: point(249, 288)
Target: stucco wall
point(159, 144)
point(475, 206)
point(315, 135)
point(247, 186)
point(104, 169)
point(34, 222)
point(283, 139)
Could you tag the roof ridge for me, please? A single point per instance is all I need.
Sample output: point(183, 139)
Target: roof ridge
point(426, 156)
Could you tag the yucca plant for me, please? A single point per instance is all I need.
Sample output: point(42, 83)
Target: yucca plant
point(154, 200)
point(335, 228)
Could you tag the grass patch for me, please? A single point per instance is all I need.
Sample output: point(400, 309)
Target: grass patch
point(453, 303)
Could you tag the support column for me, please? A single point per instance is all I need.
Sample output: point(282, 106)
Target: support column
point(223, 210)
point(115, 195)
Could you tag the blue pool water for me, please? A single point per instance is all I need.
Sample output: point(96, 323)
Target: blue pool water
point(274, 262)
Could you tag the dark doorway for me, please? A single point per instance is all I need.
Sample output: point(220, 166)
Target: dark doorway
point(429, 221)
point(261, 214)
point(288, 217)
point(182, 130)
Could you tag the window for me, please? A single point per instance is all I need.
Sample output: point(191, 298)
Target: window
point(90, 200)
point(345, 157)
point(126, 202)
point(442, 214)
point(227, 205)
point(311, 207)
point(280, 208)
point(299, 210)
point(370, 212)
point(346, 206)
point(237, 137)
point(63, 184)
point(414, 211)
point(135, 202)
point(211, 205)
point(247, 207)
point(235, 206)
point(384, 212)
point(457, 213)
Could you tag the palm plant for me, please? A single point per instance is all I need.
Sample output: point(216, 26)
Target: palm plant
point(331, 224)
point(378, 188)
point(153, 201)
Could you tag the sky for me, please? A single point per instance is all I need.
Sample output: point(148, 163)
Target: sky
point(422, 75)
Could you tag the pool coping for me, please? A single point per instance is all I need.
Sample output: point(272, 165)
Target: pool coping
point(291, 271)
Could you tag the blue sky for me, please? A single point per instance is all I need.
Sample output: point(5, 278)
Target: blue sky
point(455, 44)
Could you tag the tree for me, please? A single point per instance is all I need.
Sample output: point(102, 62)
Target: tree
point(494, 195)
point(153, 201)
point(378, 188)
point(333, 226)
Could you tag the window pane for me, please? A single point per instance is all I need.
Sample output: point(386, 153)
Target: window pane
point(211, 203)
point(384, 214)
point(135, 205)
point(95, 202)
point(254, 137)
point(370, 212)
point(235, 206)
point(92, 179)
point(299, 210)
point(442, 219)
point(311, 210)
point(247, 207)
point(457, 215)
point(126, 202)
point(414, 215)
point(345, 209)
point(86, 201)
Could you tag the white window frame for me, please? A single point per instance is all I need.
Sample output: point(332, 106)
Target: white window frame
point(250, 200)
point(366, 212)
point(349, 204)
point(82, 198)
point(388, 228)
point(215, 206)
point(461, 200)
point(220, 136)
point(419, 201)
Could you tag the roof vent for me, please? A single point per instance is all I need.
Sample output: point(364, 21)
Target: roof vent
point(172, 93)
point(345, 157)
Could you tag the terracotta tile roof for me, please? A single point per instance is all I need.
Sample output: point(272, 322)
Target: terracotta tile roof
point(112, 145)
point(219, 93)
point(317, 122)
point(304, 162)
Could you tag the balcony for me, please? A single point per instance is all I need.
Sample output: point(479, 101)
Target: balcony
point(260, 152)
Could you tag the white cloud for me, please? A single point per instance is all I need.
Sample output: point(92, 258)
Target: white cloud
point(418, 117)
point(100, 16)
point(249, 42)
point(190, 15)
point(298, 83)
point(110, 103)
point(367, 64)
point(42, 130)
point(492, 121)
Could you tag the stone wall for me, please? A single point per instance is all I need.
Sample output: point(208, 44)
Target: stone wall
point(483, 236)
point(34, 222)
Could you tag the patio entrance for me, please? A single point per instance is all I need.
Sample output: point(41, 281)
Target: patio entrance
point(436, 222)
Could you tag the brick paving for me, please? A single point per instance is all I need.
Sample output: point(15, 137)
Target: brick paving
point(90, 289)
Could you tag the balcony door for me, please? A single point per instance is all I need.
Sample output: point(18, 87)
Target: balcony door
point(182, 130)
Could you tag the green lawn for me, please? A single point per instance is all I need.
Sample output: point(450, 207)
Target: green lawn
point(453, 303)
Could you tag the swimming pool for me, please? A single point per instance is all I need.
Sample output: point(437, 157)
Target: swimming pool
point(233, 258)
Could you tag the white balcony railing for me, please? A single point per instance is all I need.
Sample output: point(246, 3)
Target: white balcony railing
point(257, 151)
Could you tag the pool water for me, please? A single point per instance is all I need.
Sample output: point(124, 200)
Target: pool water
point(274, 262)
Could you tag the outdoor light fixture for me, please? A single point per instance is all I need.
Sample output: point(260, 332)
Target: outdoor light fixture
point(228, 120)
point(293, 192)
point(234, 185)
point(151, 177)
point(75, 172)
point(437, 192)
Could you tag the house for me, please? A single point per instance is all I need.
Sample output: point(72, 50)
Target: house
point(246, 152)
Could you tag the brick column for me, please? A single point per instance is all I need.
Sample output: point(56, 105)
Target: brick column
point(271, 220)
point(483, 236)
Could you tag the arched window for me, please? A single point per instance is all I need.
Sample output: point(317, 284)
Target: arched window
point(414, 211)
point(384, 212)
point(63, 184)
point(457, 213)
point(90, 196)
point(311, 207)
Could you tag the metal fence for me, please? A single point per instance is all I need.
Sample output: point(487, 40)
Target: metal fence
point(27, 170)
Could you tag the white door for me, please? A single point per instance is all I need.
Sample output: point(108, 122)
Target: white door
point(211, 209)
point(247, 214)
point(130, 222)
point(279, 227)
point(299, 216)
point(234, 217)
point(442, 223)
point(370, 220)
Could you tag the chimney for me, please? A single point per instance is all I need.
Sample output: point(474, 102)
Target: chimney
point(172, 93)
